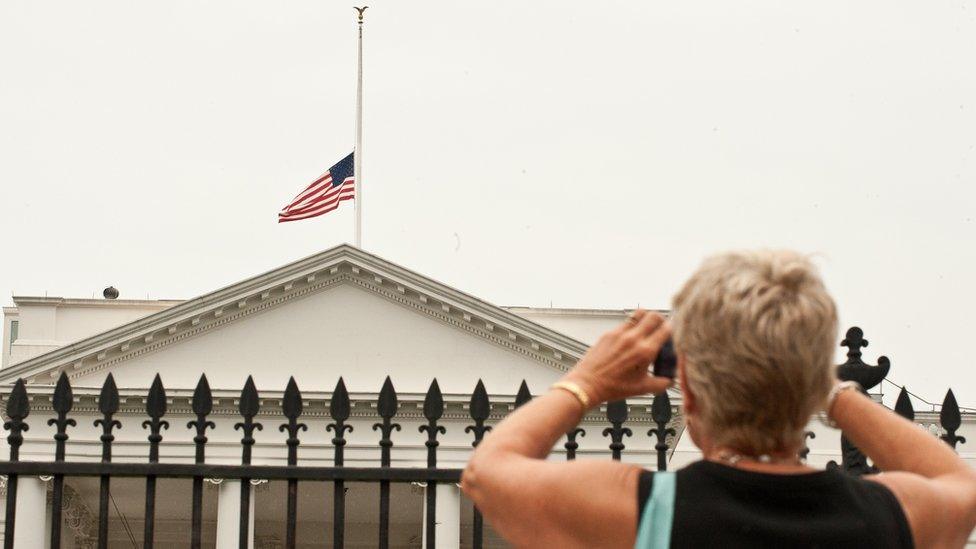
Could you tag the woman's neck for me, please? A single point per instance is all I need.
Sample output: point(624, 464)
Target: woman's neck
point(784, 462)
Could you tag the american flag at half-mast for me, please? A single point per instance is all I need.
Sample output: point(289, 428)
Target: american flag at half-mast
point(324, 194)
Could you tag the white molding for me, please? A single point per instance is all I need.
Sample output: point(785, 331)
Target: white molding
point(343, 264)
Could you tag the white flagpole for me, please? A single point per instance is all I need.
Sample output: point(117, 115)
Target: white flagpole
point(358, 158)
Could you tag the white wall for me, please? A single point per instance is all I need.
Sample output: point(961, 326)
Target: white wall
point(47, 323)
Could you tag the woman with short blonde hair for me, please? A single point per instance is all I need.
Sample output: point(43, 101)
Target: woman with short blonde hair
point(754, 334)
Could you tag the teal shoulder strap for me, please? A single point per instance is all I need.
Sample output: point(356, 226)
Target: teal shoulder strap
point(655, 524)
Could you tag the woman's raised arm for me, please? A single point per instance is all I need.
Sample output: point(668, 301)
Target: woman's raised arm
point(531, 501)
point(936, 489)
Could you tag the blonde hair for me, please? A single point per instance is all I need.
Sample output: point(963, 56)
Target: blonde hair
point(758, 331)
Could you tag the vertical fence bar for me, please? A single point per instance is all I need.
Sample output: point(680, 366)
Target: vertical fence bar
point(108, 405)
point(480, 409)
point(617, 414)
point(18, 408)
point(951, 420)
point(433, 410)
point(62, 403)
point(661, 414)
point(339, 408)
point(291, 405)
point(387, 407)
point(248, 406)
point(202, 405)
point(155, 409)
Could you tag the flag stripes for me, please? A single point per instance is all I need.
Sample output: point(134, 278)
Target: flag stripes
point(324, 194)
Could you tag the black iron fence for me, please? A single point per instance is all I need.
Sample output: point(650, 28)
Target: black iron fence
point(869, 376)
point(387, 406)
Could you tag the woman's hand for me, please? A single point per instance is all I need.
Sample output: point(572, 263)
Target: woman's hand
point(616, 367)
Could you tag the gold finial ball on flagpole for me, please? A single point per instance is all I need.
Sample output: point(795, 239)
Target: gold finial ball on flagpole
point(360, 10)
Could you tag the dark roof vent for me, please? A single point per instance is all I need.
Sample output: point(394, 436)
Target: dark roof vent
point(110, 293)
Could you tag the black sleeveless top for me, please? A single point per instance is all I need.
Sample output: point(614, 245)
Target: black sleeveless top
point(720, 506)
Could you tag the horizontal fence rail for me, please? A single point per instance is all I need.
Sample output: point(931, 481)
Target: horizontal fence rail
point(617, 434)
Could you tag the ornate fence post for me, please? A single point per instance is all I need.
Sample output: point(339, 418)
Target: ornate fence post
point(855, 369)
point(155, 409)
point(18, 408)
point(108, 405)
point(248, 406)
point(951, 419)
point(291, 405)
point(433, 410)
point(480, 409)
point(617, 414)
point(387, 406)
point(202, 405)
point(62, 401)
point(661, 414)
point(339, 410)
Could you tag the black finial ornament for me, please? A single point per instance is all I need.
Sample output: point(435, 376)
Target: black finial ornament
point(433, 410)
point(951, 420)
point(903, 406)
point(291, 405)
point(805, 451)
point(62, 402)
point(571, 444)
point(339, 408)
point(523, 396)
point(479, 408)
point(248, 406)
point(108, 405)
point(155, 409)
point(386, 406)
point(110, 293)
point(617, 414)
point(661, 414)
point(202, 405)
point(18, 408)
point(855, 369)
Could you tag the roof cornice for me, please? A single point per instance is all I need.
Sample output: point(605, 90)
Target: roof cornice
point(340, 265)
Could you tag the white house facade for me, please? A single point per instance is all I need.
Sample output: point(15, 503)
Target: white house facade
point(342, 313)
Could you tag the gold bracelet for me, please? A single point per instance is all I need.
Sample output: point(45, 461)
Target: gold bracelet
point(576, 391)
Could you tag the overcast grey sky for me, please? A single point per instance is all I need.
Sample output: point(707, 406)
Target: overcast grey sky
point(578, 154)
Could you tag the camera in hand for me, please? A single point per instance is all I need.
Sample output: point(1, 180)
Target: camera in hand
point(666, 362)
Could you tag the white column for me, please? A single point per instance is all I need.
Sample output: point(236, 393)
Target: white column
point(447, 522)
point(31, 513)
point(229, 515)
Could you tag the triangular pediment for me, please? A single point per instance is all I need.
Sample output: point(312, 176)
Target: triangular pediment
point(320, 303)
